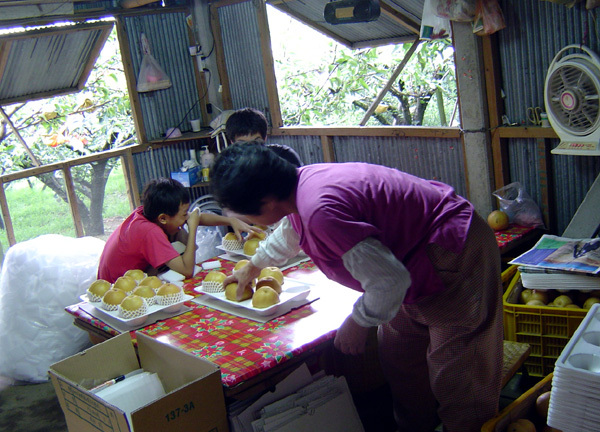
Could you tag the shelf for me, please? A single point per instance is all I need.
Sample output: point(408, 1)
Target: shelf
point(526, 132)
point(201, 184)
point(187, 136)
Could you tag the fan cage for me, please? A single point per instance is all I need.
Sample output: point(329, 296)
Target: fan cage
point(574, 81)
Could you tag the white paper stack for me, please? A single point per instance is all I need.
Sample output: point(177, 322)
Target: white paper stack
point(575, 397)
point(321, 403)
point(544, 279)
point(561, 263)
point(133, 392)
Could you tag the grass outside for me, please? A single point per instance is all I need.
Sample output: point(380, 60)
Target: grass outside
point(34, 210)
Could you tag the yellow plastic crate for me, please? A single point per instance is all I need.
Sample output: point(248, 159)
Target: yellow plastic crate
point(522, 407)
point(546, 329)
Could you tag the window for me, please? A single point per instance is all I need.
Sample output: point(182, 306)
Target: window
point(322, 82)
point(69, 118)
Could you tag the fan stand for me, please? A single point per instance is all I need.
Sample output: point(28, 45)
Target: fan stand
point(586, 221)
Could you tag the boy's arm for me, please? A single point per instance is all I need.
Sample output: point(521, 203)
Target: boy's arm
point(211, 219)
point(186, 262)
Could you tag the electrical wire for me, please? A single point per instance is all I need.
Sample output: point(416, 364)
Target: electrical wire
point(192, 107)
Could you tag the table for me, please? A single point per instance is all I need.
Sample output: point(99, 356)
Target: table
point(252, 355)
point(515, 236)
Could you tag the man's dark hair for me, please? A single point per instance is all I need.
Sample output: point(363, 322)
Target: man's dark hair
point(246, 121)
point(246, 173)
point(286, 152)
point(163, 195)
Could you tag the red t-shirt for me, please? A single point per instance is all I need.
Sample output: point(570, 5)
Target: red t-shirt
point(137, 244)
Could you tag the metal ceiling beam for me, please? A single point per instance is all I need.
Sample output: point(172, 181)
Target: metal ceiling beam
point(283, 7)
point(400, 18)
point(7, 3)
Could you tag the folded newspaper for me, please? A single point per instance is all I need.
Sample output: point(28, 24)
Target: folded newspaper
point(563, 255)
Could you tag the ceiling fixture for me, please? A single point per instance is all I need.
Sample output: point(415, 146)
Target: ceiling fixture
point(351, 11)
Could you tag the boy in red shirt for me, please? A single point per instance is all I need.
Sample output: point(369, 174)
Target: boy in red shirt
point(143, 240)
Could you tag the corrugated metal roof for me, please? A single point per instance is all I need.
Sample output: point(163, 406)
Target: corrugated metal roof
point(399, 21)
point(43, 62)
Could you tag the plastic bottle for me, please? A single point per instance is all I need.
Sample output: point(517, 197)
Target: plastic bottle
point(193, 160)
point(207, 159)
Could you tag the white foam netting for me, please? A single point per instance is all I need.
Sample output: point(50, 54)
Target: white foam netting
point(39, 278)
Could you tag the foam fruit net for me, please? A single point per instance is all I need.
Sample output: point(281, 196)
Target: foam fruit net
point(93, 297)
point(169, 299)
point(212, 286)
point(108, 307)
point(128, 314)
point(232, 245)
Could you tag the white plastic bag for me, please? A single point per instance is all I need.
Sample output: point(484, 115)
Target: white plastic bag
point(433, 26)
point(519, 206)
point(207, 240)
point(40, 277)
point(152, 76)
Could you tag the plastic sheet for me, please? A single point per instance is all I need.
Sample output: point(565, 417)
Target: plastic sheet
point(39, 278)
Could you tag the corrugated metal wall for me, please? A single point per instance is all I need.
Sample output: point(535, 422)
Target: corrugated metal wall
point(159, 162)
point(243, 56)
point(308, 147)
point(168, 38)
point(536, 30)
point(430, 158)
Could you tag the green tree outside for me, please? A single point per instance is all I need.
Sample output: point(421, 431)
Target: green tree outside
point(65, 127)
point(321, 82)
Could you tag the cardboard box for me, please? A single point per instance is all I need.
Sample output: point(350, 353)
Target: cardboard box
point(189, 177)
point(194, 394)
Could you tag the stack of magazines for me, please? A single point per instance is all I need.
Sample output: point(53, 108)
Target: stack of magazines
point(561, 263)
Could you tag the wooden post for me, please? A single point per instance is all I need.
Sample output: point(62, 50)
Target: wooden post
point(72, 197)
point(544, 168)
point(328, 151)
point(220, 56)
point(495, 109)
point(10, 232)
point(130, 179)
point(268, 65)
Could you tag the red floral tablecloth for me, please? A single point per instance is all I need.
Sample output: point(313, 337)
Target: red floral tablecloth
point(510, 235)
point(244, 348)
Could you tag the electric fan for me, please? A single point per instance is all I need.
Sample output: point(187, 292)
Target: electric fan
point(572, 100)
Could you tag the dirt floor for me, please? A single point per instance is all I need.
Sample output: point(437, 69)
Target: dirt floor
point(26, 407)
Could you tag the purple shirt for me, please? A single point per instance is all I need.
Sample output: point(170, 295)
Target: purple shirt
point(341, 204)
